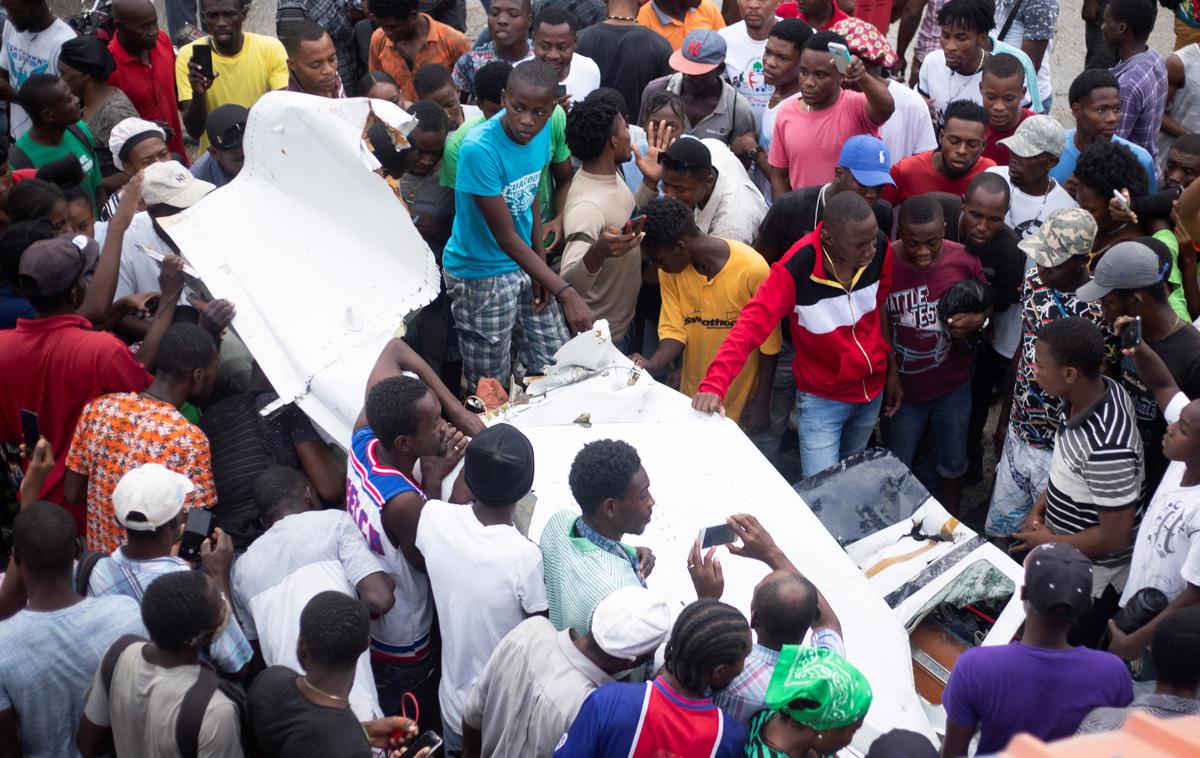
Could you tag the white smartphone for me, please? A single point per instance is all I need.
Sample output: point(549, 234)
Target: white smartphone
point(841, 56)
point(1121, 199)
point(721, 534)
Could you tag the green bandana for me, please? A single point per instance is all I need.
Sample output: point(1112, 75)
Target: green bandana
point(818, 688)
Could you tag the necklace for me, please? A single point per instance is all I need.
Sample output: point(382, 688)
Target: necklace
point(413, 192)
point(966, 77)
point(1034, 222)
point(833, 270)
point(622, 18)
point(320, 691)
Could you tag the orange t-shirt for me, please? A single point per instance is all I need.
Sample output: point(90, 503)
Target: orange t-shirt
point(119, 432)
point(444, 45)
point(707, 16)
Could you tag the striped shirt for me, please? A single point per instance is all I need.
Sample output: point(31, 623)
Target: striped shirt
point(119, 575)
point(1097, 466)
point(579, 573)
point(746, 695)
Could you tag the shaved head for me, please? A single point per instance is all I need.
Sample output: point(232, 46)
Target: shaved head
point(784, 606)
point(136, 22)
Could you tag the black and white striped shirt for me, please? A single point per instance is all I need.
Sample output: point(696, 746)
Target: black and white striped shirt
point(1097, 466)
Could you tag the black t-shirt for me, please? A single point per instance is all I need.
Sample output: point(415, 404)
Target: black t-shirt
point(288, 724)
point(796, 214)
point(1181, 353)
point(1002, 261)
point(628, 57)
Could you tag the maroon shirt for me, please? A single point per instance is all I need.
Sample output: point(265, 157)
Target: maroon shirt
point(994, 150)
point(151, 88)
point(54, 366)
point(931, 363)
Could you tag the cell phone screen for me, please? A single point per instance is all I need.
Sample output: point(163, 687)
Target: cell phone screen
point(202, 57)
point(199, 527)
point(1131, 334)
point(430, 739)
point(722, 534)
point(29, 430)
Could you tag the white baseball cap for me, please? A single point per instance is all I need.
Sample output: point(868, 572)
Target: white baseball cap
point(169, 182)
point(631, 622)
point(149, 496)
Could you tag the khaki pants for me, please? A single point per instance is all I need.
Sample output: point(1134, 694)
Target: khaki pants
point(1185, 34)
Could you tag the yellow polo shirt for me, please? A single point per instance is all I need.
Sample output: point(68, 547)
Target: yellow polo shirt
point(699, 312)
point(260, 66)
point(707, 16)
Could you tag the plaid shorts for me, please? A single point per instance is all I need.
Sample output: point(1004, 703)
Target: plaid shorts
point(1021, 477)
point(493, 316)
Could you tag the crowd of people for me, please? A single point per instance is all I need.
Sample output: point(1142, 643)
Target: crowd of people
point(776, 211)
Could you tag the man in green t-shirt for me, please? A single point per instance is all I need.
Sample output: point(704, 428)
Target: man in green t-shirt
point(57, 131)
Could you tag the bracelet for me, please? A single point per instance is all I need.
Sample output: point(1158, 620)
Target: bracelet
point(562, 289)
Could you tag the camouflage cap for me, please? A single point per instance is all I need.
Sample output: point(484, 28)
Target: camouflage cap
point(1066, 232)
point(1037, 135)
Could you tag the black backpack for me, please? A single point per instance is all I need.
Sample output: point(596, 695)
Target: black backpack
point(195, 700)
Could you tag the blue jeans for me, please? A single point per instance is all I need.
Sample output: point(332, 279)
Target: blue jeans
point(830, 430)
point(393, 680)
point(947, 416)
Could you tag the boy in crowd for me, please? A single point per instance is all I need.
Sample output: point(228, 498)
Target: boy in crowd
point(1002, 89)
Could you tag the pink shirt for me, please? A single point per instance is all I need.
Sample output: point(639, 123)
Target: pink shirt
point(808, 145)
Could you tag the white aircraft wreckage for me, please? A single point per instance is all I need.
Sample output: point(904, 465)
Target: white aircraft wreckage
point(324, 264)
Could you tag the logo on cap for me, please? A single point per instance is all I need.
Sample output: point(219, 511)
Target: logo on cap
point(694, 48)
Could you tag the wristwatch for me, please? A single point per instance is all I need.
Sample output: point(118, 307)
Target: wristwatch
point(753, 152)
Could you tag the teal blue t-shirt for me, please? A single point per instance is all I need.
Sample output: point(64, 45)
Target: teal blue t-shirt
point(491, 164)
point(1070, 155)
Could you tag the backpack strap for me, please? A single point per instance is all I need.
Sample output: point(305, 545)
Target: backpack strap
point(79, 134)
point(18, 159)
point(1008, 22)
point(191, 712)
point(83, 573)
point(108, 664)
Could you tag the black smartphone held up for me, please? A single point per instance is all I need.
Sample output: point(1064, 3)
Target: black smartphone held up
point(1131, 334)
point(560, 92)
point(202, 57)
point(430, 739)
point(29, 429)
point(199, 528)
point(721, 534)
point(636, 224)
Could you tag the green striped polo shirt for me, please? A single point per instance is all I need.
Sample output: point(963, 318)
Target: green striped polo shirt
point(579, 574)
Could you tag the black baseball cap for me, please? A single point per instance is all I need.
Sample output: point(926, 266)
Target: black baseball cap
point(686, 154)
point(901, 743)
point(226, 125)
point(51, 267)
point(499, 465)
point(1058, 580)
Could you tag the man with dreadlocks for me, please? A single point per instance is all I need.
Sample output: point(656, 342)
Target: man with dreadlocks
point(671, 715)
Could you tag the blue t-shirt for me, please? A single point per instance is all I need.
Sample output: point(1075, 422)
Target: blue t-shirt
point(491, 164)
point(13, 306)
point(47, 661)
point(622, 719)
point(207, 169)
point(1070, 155)
point(1006, 689)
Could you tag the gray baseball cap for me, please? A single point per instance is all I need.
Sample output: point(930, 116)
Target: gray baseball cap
point(1037, 135)
point(1066, 232)
point(1126, 266)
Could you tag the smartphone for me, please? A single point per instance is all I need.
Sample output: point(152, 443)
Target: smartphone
point(29, 428)
point(841, 56)
point(202, 57)
point(1121, 199)
point(199, 528)
point(430, 739)
point(1131, 334)
point(636, 224)
point(559, 93)
point(721, 534)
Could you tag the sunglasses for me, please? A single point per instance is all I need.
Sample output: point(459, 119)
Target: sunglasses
point(674, 164)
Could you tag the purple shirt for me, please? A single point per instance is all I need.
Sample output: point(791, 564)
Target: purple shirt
point(1143, 81)
point(1009, 689)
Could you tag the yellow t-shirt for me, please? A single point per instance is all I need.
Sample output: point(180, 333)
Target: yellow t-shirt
point(706, 16)
point(699, 313)
point(260, 67)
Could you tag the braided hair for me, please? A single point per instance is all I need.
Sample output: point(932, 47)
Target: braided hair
point(707, 634)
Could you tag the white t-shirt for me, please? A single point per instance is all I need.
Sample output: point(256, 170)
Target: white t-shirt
point(24, 54)
point(744, 69)
point(1026, 213)
point(910, 130)
point(583, 77)
point(1166, 550)
point(766, 133)
point(942, 85)
point(138, 272)
point(299, 556)
point(486, 580)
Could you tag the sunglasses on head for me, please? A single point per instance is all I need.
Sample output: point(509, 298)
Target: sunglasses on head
point(674, 164)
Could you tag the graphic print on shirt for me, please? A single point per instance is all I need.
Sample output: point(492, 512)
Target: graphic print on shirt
point(695, 317)
point(752, 80)
point(23, 64)
point(518, 194)
point(918, 316)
